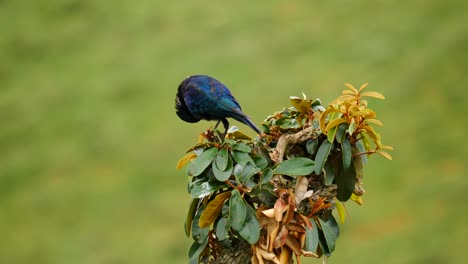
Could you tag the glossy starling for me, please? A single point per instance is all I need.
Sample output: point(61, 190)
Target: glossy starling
point(203, 97)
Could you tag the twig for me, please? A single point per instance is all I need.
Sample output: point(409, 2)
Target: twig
point(285, 140)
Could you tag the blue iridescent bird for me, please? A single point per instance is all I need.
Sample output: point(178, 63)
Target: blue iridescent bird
point(201, 97)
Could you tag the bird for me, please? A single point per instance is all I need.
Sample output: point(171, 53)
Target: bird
point(201, 97)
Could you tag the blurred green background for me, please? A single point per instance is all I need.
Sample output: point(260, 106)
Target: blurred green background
point(89, 138)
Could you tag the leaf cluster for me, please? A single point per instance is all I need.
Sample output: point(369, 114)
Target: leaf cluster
point(278, 191)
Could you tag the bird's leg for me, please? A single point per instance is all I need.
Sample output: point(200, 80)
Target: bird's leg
point(226, 126)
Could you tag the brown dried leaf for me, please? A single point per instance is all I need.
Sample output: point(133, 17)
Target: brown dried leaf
point(293, 244)
point(269, 212)
point(309, 254)
point(266, 255)
point(285, 255)
point(280, 239)
point(273, 229)
point(301, 188)
point(295, 227)
point(279, 207)
point(305, 220)
point(291, 208)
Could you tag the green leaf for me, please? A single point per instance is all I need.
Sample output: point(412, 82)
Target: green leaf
point(322, 156)
point(237, 210)
point(329, 173)
point(290, 123)
point(204, 188)
point(250, 231)
point(361, 149)
point(266, 195)
point(323, 244)
point(311, 146)
point(198, 165)
point(190, 215)
point(312, 238)
point(241, 147)
point(267, 175)
point(222, 228)
point(331, 231)
point(244, 172)
point(279, 122)
point(260, 162)
point(358, 162)
point(352, 127)
point(222, 175)
point(345, 180)
point(341, 132)
point(199, 234)
point(295, 167)
point(195, 250)
point(317, 102)
point(331, 133)
point(201, 145)
point(346, 153)
point(213, 209)
point(241, 157)
point(222, 159)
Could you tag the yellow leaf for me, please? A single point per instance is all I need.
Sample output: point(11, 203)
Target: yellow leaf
point(238, 135)
point(385, 154)
point(367, 113)
point(184, 160)
point(351, 87)
point(296, 101)
point(302, 105)
point(345, 98)
point(364, 103)
point(365, 140)
point(373, 94)
point(341, 210)
point(357, 199)
point(363, 86)
point(387, 147)
point(348, 92)
point(213, 209)
point(374, 121)
point(336, 122)
point(353, 109)
point(324, 115)
point(373, 135)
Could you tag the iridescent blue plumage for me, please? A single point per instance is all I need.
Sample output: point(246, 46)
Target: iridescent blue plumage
point(200, 97)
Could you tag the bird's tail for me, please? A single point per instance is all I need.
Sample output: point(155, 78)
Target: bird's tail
point(246, 120)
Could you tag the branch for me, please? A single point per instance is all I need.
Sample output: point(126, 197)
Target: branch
point(277, 155)
point(239, 253)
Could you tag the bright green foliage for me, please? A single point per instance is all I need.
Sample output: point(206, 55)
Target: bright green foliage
point(242, 186)
point(295, 167)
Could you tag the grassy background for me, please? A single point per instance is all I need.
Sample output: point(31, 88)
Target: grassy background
point(89, 138)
